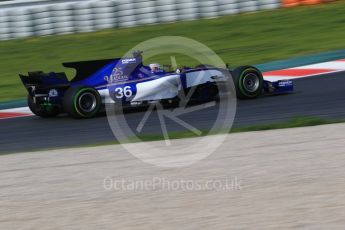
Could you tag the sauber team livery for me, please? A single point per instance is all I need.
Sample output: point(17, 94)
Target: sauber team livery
point(128, 82)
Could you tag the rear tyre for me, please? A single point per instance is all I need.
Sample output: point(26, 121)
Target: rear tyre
point(42, 110)
point(82, 102)
point(248, 82)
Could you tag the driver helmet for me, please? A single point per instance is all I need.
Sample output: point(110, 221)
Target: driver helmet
point(155, 67)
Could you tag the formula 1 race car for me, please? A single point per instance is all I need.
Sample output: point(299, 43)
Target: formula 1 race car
point(128, 82)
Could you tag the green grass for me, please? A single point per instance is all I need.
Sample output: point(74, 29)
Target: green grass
point(240, 39)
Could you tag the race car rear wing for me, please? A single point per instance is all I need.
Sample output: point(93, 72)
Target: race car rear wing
point(43, 81)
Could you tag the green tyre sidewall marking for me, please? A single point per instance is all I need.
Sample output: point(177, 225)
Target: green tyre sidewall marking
point(240, 82)
point(75, 99)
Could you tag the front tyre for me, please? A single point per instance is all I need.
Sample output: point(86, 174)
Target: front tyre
point(82, 102)
point(42, 110)
point(248, 81)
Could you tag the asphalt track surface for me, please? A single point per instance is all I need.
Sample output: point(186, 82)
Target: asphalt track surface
point(319, 96)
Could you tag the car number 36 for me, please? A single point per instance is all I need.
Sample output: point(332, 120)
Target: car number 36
point(123, 92)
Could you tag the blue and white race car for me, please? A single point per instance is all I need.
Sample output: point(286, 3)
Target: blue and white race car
point(127, 82)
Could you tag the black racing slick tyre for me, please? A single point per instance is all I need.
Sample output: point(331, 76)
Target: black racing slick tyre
point(42, 110)
point(82, 102)
point(248, 82)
